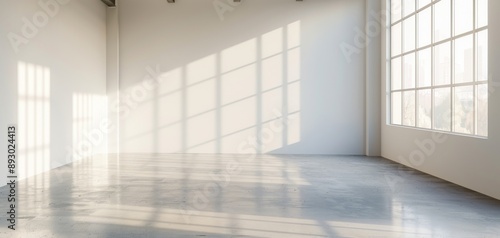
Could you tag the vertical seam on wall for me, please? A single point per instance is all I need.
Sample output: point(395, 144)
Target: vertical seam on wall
point(118, 143)
point(366, 84)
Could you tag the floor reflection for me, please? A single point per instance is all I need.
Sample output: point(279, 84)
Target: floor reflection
point(137, 195)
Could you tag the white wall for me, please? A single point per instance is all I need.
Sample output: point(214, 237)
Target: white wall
point(223, 80)
point(473, 163)
point(53, 86)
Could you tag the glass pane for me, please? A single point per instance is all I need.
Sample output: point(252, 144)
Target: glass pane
point(409, 34)
point(424, 68)
point(464, 59)
point(408, 7)
point(424, 27)
point(442, 64)
point(463, 16)
point(396, 39)
point(395, 10)
point(409, 71)
point(409, 108)
point(396, 74)
point(442, 109)
point(482, 110)
point(463, 118)
point(482, 13)
point(424, 108)
point(423, 3)
point(482, 55)
point(442, 20)
point(396, 108)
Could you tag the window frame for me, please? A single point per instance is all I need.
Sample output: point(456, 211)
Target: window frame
point(451, 39)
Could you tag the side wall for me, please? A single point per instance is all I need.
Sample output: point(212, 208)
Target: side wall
point(53, 81)
point(473, 163)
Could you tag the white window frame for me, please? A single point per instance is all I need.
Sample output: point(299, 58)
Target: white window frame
point(475, 83)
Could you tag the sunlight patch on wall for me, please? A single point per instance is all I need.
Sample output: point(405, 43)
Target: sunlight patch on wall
point(202, 69)
point(243, 80)
point(239, 55)
point(33, 119)
point(90, 129)
point(247, 92)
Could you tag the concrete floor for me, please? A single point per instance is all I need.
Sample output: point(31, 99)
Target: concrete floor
point(242, 196)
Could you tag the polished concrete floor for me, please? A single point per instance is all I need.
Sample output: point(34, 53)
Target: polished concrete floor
point(247, 196)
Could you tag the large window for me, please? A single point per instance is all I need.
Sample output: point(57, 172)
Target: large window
point(439, 65)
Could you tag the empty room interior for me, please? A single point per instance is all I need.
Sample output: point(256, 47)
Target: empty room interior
point(250, 118)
